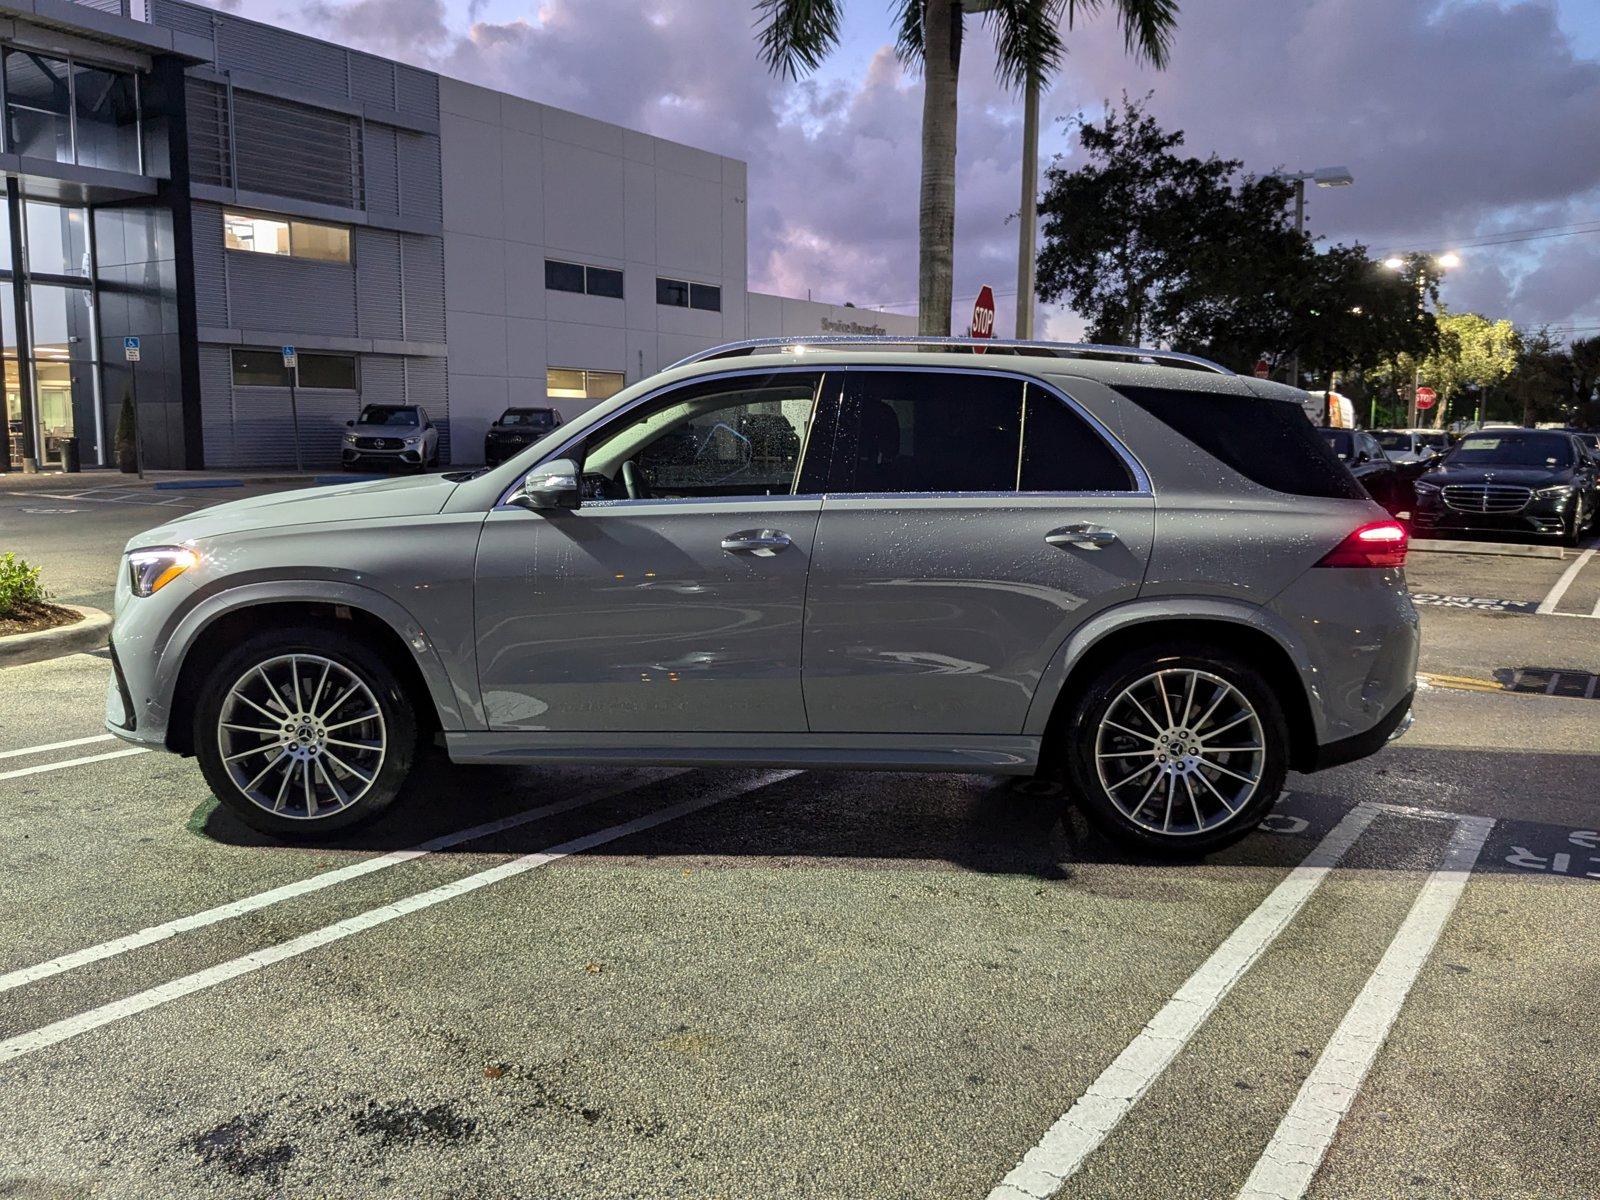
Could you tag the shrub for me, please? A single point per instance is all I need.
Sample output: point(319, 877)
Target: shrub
point(19, 585)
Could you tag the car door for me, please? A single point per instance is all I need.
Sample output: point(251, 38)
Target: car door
point(971, 521)
point(671, 599)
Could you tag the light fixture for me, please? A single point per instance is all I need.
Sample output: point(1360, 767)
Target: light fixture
point(1394, 262)
point(1333, 177)
point(1449, 260)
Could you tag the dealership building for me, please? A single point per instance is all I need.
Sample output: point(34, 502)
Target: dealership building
point(219, 189)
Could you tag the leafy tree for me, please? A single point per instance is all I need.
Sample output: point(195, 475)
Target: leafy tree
point(1472, 352)
point(796, 35)
point(1151, 245)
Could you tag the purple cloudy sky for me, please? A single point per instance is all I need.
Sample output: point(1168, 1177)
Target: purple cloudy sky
point(1463, 121)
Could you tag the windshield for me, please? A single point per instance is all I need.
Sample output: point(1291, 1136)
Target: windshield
point(1338, 440)
point(541, 417)
point(1394, 441)
point(390, 415)
point(1512, 449)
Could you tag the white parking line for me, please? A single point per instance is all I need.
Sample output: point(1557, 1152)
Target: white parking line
point(72, 762)
point(1548, 604)
point(316, 883)
point(59, 1031)
point(1291, 1159)
point(47, 746)
point(1065, 1145)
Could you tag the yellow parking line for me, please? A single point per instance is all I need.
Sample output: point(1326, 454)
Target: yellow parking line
point(1460, 683)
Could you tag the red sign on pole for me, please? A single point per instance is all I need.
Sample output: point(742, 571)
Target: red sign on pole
point(1425, 397)
point(982, 316)
point(1263, 368)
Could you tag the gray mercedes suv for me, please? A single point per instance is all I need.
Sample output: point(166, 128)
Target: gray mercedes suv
point(1130, 567)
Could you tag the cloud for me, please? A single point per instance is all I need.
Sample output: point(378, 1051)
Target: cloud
point(1457, 118)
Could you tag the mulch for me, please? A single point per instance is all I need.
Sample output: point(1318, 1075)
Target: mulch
point(30, 618)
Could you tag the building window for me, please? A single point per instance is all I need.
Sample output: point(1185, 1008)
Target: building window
point(569, 383)
point(45, 94)
point(680, 293)
point(574, 277)
point(324, 372)
point(298, 239)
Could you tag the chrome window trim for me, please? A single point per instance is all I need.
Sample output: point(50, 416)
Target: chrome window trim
point(1141, 478)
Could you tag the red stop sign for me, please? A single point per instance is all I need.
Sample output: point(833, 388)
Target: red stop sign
point(1263, 368)
point(1426, 396)
point(982, 316)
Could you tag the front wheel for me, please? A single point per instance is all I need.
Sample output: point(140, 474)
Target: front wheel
point(304, 731)
point(1178, 750)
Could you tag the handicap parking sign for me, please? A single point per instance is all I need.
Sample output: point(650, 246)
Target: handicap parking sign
point(130, 349)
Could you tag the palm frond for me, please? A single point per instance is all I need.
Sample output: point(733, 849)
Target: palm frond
point(1147, 25)
point(796, 35)
point(1027, 38)
point(908, 44)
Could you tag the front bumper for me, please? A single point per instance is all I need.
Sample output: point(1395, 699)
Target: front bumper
point(1547, 516)
point(496, 451)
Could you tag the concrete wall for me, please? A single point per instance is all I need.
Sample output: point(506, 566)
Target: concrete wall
point(524, 182)
point(782, 316)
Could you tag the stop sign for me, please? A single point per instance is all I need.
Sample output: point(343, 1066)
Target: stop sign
point(982, 316)
point(1263, 368)
point(1426, 396)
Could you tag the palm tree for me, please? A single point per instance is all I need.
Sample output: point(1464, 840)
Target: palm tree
point(796, 35)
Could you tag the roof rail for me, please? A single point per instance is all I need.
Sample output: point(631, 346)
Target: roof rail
point(890, 341)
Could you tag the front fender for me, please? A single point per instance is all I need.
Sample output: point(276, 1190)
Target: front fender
point(452, 699)
point(1168, 608)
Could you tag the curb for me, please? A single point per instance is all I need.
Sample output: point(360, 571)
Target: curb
point(1507, 549)
point(87, 634)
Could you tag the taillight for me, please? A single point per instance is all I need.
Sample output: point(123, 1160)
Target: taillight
point(1381, 544)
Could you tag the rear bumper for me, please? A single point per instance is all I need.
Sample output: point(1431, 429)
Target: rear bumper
point(1363, 745)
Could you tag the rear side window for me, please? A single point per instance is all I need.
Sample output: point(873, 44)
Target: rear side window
point(927, 431)
point(1061, 453)
point(1269, 442)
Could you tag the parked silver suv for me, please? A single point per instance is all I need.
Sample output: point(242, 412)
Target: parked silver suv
point(1128, 566)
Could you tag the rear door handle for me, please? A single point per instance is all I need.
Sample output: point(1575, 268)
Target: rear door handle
point(1084, 536)
point(763, 543)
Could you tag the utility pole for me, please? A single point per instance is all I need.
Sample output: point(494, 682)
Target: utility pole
point(1029, 208)
point(1300, 229)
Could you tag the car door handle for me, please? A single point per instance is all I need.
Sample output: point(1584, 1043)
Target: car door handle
point(1083, 536)
point(762, 542)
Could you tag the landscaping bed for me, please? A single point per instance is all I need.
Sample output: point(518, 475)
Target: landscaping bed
point(30, 618)
point(25, 606)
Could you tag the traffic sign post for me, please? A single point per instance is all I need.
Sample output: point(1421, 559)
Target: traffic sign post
point(130, 354)
point(982, 316)
point(291, 365)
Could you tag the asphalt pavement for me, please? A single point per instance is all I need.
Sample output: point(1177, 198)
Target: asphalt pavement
point(586, 982)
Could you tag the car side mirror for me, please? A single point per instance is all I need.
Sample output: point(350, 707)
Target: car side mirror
point(349, 424)
point(550, 485)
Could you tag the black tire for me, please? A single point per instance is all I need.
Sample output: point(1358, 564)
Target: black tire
point(1083, 726)
point(353, 654)
point(1572, 531)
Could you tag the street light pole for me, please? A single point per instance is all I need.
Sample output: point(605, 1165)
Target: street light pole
point(1300, 230)
point(1029, 208)
point(1328, 177)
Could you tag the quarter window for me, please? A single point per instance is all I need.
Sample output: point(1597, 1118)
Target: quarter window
point(297, 239)
point(729, 437)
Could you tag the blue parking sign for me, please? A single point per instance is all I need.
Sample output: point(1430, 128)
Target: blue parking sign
point(289, 356)
point(130, 349)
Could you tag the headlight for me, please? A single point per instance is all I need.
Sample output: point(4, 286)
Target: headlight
point(151, 570)
point(350, 438)
point(412, 441)
point(1560, 489)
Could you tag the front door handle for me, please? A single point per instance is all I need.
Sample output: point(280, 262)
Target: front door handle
point(763, 543)
point(1083, 536)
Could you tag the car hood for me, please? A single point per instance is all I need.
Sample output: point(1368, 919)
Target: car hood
point(358, 501)
point(1533, 477)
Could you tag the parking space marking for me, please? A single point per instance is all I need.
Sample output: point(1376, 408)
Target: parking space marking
point(59, 1031)
point(1548, 604)
point(47, 746)
point(316, 883)
point(1092, 1117)
point(72, 762)
point(1297, 1148)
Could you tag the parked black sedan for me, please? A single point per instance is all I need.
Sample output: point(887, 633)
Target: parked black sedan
point(1539, 481)
point(1386, 481)
point(516, 428)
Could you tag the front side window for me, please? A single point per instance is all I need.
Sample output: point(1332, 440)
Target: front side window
point(927, 431)
point(729, 437)
point(276, 235)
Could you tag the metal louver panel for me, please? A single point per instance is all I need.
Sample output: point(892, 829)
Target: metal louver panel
point(383, 379)
point(421, 190)
point(427, 385)
point(272, 293)
point(377, 254)
point(416, 92)
point(422, 274)
point(372, 80)
point(210, 269)
point(289, 149)
point(216, 406)
point(209, 160)
point(290, 57)
point(186, 18)
point(381, 169)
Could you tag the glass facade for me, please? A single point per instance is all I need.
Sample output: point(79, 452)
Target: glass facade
point(59, 109)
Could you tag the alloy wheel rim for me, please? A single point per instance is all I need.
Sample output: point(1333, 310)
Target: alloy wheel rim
point(301, 736)
point(1180, 752)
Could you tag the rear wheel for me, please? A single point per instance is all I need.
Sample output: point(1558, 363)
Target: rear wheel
point(1178, 750)
point(304, 731)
